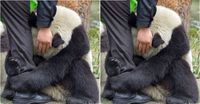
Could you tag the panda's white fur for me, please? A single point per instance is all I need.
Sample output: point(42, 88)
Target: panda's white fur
point(2, 28)
point(188, 58)
point(102, 28)
point(164, 22)
point(88, 58)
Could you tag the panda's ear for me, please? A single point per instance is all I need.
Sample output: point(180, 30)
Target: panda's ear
point(157, 40)
point(57, 40)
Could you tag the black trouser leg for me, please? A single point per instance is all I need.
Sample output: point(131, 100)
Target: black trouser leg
point(15, 15)
point(115, 15)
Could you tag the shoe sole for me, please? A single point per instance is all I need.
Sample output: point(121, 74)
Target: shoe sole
point(25, 101)
point(129, 101)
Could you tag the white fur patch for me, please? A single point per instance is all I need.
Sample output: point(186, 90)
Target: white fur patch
point(2, 29)
point(156, 92)
point(88, 58)
point(188, 58)
point(65, 21)
point(56, 92)
point(164, 22)
point(102, 28)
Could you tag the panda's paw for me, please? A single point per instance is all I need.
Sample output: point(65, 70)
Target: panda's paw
point(120, 82)
point(178, 100)
point(19, 83)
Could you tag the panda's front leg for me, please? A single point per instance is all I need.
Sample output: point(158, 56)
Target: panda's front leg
point(150, 71)
point(51, 71)
point(45, 74)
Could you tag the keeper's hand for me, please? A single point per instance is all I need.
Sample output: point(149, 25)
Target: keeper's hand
point(44, 40)
point(144, 40)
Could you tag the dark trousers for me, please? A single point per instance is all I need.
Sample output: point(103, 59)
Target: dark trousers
point(115, 15)
point(15, 16)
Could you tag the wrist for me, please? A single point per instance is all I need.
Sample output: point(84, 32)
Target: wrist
point(44, 29)
point(143, 29)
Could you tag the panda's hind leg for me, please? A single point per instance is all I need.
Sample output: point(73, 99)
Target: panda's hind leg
point(185, 87)
point(84, 86)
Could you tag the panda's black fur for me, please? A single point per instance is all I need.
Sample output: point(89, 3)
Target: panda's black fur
point(66, 72)
point(165, 72)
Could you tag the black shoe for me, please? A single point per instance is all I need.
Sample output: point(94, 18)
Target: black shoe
point(31, 98)
point(128, 98)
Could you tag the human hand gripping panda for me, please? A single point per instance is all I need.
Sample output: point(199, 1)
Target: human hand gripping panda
point(165, 73)
point(64, 71)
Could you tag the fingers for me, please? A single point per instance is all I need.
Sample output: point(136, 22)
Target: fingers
point(42, 47)
point(39, 47)
point(143, 47)
point(140, 47)
point(46, 47)
point(148, 46)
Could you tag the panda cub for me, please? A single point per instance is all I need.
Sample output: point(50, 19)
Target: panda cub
point(64, 72)
point(165, 71)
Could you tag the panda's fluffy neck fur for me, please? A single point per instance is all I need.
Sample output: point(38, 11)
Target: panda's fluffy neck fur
point(164, 22)
point(65, 21)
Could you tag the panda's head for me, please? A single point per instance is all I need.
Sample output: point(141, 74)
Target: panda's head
point(63, 24)
point(65, 21)
point(162, 27)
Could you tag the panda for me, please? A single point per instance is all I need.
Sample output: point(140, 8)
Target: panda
point(164, 72)
point(64, 72)
point(60, 39)
point(161, 38)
